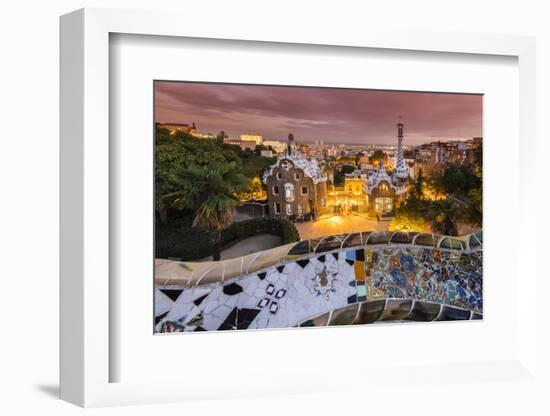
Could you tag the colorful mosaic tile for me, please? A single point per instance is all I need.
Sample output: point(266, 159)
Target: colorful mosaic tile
point(304, 290)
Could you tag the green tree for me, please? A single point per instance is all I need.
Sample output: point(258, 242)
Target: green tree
point(436, 183)
point(410, 216)
point(340, 174)
point(460, 179)
point(478, 157)
point(445, 215)
point(419, 184)
point(473, 213)
point(211, 191)
point(173, 152)
point(377, 156)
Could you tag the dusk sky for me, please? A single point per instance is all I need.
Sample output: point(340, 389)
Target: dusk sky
point(330, 114)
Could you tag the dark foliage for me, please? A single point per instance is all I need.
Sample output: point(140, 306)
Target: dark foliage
point(179, 240)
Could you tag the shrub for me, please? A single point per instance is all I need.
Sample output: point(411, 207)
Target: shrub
point(181, 242)
point(190, 244)
point(256, 226)
point(407, 221)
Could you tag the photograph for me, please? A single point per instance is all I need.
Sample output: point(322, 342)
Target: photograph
point(307, 206)
point(235, 207)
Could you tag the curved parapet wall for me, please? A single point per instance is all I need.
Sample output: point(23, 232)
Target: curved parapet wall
point(348, 279)
point(384, 310)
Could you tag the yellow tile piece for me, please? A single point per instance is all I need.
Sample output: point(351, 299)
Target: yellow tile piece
point(359, 270)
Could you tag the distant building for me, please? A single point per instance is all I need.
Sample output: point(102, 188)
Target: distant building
point(368, 168)
point(364, 161)
point(296, 185)
point(277, 146)
point(266, 153)
point(256, 138)
point(185, 128)
point(354, 189)
point(199, 135)
point(306, 150)
point(408, 163)
point(242, 144)
point(435, 156)
point(332, 151)
point(175, 127)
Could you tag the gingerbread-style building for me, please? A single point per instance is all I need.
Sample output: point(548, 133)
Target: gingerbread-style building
point(296, 186)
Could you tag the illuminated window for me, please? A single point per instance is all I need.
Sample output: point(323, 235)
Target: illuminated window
point(289, 209)
point(323, 202)
point(300, 209)
point(289, 192)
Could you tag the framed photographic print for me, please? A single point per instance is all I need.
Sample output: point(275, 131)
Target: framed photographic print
point(286, 213)
point(345, 220)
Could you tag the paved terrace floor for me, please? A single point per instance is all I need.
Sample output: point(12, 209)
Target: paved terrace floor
point(248, 246)
point(339, 224)
point(324, 226)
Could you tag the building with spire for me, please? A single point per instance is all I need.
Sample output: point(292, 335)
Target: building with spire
point(384, 193)
point(296, 185)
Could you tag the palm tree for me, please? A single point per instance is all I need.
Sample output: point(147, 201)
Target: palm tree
point(211, 191)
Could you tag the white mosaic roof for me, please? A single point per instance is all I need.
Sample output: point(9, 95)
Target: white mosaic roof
point(378, 176)
point(309, 166)
point(381, 175)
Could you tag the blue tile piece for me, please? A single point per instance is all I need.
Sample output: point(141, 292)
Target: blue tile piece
point(350, 255)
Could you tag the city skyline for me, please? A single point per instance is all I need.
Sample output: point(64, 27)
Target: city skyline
point(334, 115)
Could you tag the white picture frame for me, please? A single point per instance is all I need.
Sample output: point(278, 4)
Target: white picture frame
point(86, 304)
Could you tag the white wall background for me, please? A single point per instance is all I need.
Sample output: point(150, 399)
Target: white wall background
point(29, 185)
